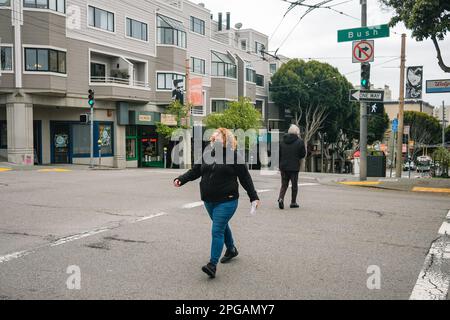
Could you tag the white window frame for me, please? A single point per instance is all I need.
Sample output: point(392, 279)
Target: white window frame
point(104, 9)
point(170, 72)
point(136, 39)
point(7, 7)
point(263, 111)
point(117, 84)
point(264, 81)
point(196, 33)
point(221, 99)
point(246, 44)
point(42, 9)
point(49, 73)
point(170, 45)
point(9, 45)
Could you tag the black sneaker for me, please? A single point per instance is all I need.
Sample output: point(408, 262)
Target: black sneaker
point(229, 255)
point(295, 206)
point(210, 270)
point(281, 204)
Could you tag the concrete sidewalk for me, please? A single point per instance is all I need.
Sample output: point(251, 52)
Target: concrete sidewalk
point(410, 185)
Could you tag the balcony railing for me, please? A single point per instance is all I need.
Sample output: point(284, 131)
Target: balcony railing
point(197, 111)
point(121, 81)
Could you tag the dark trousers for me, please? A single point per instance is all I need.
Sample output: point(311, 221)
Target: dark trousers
point(286, 177)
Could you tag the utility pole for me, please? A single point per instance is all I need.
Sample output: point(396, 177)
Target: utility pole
point(363, 120)
point(443, 124)
point(188, 143)
point(401, 124)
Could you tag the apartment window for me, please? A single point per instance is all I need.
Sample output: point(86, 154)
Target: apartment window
point(250, 75)
point(101, 19)
point(45, 60)
point(197, 25)
point(98, 72)
point(244, 45)
point(273, 68)
point(171, 32)
point(260, 80)
point(259, 105)
point(3, 135)
point(55, 5)
point(259, 47)
point(222, 65)
point(5, 3)
point(6, 58)
point(137, 30)
point(198, 65)
point(219, 106)
point(165, 80)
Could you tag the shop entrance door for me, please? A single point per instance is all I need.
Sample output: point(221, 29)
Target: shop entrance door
point(37, 141)
point(61, 143)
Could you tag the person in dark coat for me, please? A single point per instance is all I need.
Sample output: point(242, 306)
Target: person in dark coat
point(219, 191)
point(292, 151)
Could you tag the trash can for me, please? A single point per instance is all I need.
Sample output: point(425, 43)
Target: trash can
point(376, 164)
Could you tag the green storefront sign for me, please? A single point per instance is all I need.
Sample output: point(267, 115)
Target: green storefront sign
point(364, 33)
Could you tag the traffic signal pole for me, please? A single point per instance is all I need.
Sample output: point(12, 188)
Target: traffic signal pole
point(401, 122)
point(91, 102)
point(363, 119)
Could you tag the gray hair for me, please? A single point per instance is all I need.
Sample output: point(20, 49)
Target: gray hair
point(294, 130)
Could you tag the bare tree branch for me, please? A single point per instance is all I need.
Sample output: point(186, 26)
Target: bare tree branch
point(442, 64)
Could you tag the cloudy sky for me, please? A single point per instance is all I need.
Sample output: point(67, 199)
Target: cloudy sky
point(316, 37)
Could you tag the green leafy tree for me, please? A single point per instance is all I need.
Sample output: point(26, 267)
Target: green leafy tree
point(442, 156)
point(447, 135)
point(425, 129)
point(180, 112)
point(240, 114)
point(376, 127)
point(427, 19)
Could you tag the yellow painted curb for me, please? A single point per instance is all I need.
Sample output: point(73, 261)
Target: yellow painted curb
point(54, 170)
point(5, 169)
point(435, 190)
point(361, 183)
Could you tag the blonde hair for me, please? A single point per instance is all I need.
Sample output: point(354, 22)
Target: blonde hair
point(228, 137)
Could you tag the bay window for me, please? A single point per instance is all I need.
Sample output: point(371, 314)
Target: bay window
point(171, 32)
point(222, 65)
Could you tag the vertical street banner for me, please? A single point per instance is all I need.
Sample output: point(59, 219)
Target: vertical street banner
point(414, 82)
point(196, 91)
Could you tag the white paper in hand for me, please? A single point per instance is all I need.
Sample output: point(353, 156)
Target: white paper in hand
point(253, 208)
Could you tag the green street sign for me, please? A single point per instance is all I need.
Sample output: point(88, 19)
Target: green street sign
point(381, 31)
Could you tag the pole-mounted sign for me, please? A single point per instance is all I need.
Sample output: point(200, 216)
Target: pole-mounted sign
point(367, 95)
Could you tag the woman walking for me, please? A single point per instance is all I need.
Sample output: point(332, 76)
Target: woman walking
point(219, 190)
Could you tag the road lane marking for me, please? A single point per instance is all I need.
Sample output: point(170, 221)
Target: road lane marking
point(54, 170)
point(435, 190)
point(361, 183)
point(433, 282)
point(448, 215)
point(308, 184)
point(445, 229)
point(78, 237)
point(263, 191)
point(151, 217)
point(192, 205)
point(5, 169)
point(12, 256)
point(72, 238)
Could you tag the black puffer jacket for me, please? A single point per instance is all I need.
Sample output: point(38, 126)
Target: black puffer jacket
point(219, 182)
point(292, 150)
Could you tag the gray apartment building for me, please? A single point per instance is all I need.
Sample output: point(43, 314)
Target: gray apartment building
point(130, 53)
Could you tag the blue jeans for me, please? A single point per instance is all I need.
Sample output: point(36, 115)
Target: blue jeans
point(221, 214)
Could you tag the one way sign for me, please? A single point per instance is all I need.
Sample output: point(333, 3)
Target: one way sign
point(367, 95)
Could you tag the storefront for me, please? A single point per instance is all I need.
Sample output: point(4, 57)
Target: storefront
point(70, 141)
point(143, 144)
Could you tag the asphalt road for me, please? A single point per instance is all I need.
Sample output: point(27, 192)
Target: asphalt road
point(134, 236)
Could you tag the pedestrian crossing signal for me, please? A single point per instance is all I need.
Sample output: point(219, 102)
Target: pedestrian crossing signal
point(84, 118)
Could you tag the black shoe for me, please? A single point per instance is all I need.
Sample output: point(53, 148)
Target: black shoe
point(295, 206)
point(210, 270)
point(229, 255)
point(281, 204)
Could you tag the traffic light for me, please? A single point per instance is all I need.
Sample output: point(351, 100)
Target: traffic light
point(91, 98)
point(365, 76)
